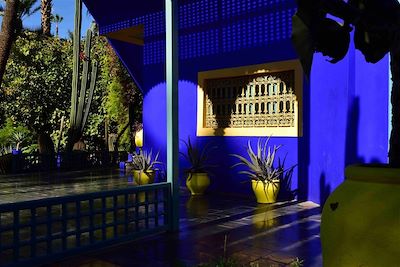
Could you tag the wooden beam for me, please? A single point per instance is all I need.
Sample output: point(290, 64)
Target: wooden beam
point(132, 35)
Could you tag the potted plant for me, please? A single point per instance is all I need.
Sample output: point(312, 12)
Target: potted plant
point(144, 167)
point(362, 213)
point(198, 179)
point(264, 174)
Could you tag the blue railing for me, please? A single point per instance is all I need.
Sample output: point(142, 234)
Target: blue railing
point(39, 231)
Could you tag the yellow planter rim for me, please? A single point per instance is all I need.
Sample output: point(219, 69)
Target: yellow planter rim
point(373, 174)
point(259, 181)
point(139, 171)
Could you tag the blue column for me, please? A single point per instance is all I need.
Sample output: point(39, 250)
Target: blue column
point(171, 16)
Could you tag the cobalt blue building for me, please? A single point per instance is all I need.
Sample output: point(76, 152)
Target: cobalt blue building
point(337, 117)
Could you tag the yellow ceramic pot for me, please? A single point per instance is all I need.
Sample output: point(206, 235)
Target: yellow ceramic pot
point(197, 183)
point(142, 178)
point(265, 194)
point(361, 219)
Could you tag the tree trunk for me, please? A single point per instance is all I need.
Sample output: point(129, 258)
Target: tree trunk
point(46, 145)
point(46, 16)
point(56, 29)
point(7, 33)
point(73, 137)
point(394, 151)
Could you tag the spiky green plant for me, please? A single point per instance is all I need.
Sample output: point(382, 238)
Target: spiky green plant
point(261, 164)
point(81, 99)
point(144, 161)
point(197, 158)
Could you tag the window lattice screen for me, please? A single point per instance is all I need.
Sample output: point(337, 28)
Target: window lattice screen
point(254, 101)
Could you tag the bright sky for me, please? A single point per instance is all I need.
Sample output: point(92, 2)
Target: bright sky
point(64, 8)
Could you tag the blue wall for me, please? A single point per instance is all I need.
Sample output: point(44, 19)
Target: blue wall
point(222, 37)
point(348, 120)
point(345, 104)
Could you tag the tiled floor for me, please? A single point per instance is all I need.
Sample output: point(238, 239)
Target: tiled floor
point(256, 235)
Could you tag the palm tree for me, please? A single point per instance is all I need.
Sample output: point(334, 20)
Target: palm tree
point(8, 27)
point(377, 32)
point(26, 8)
point(13, 14)
point(45, 11)
point(57, 19)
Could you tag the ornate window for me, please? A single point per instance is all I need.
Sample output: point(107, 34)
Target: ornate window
point(250, 101)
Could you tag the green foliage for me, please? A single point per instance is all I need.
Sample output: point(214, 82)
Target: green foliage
point(35, 91)
point(12, 136)
point(6, 133)
point(120, 92)
point(32, 148)
point(115, 92)
point(115, 106)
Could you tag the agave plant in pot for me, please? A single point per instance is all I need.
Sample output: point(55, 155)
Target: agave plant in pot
point(264, 174)
point(144, 167)
point(198, 179)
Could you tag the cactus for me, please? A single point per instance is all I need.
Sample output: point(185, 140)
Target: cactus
point(80, 99)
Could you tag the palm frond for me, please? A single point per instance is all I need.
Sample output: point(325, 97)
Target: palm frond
point(26, 8)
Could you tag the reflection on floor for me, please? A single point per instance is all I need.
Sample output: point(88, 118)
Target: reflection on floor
point(256, 235)
point(33, 186)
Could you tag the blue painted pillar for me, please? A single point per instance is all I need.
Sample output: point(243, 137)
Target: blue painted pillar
point(171, 16)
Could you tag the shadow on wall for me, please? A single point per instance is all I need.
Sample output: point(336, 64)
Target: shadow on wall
point(352, 128)
point(304, 145)
point(324, 189)
point(351, 147)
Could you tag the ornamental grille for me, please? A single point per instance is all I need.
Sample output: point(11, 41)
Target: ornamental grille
point(254, 101)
